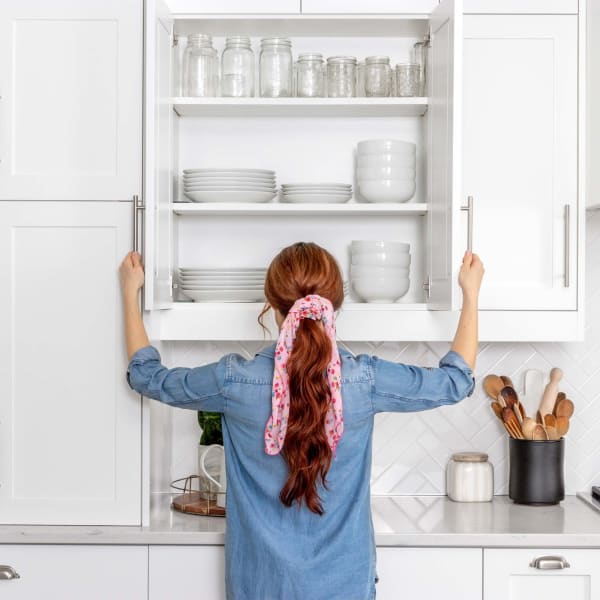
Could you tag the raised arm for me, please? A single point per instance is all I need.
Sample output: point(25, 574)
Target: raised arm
point(466, 337)
point(131, 273)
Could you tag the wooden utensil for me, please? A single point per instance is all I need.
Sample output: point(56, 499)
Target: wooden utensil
point(549, 421)
point(550, 392)
point(552, 433)
point(560, 396)
point(507, 380)
point(511, 423)
point(512, 401)
point(562, 425)
point(565, 408)
point(539, 433)
point(533, 388)
point(528, 428)
point(497, 410)
point(492, 384)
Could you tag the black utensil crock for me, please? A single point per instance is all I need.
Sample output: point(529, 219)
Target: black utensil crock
point(536, 471)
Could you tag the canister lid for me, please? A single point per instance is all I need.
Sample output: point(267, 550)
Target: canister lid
point(470, 457)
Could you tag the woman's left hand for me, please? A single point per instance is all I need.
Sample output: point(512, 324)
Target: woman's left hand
point(131, 273)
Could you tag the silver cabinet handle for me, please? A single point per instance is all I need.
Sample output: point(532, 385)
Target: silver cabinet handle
point(138, 206)
point(7, 572)
point(469, 209)
point(549, 563)
point(567, 245)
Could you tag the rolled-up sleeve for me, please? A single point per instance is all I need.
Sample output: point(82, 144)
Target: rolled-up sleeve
point(200, 388)
point(405, 388)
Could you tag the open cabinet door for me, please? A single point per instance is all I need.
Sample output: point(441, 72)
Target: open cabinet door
point(158, 121)
point(444, 130)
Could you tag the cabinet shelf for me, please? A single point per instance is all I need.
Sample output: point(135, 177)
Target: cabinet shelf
point(280, 208)
point(300, 107)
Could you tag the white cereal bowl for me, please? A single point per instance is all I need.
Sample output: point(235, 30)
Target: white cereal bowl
point(369, 246)
point(380, 290)
point(381, 259)
point(397, 161)
point(387, 190)
point(368, 173)
point(360, 271)
point(385, 147)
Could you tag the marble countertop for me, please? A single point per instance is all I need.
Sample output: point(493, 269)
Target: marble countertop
point(398, 521)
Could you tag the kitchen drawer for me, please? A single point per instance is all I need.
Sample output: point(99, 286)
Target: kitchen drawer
point(75, 572)
point(508, 574)
point(187, 572)
point(449, 573)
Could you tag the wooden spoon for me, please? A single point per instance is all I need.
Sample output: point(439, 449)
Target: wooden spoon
point(562, 425)
point(560, 396)
point(552, 433)
point(550, 392)
point(497, 410)
point(528, 427)
point(549, 421)
point(565, 408)
point(512, 424)
point(507, 380)
point(512, 401)
point(492, 384)
point(539, 433)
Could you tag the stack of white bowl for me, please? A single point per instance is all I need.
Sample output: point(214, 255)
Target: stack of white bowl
point(385, 170)
point(223, 285)
point(316, 192)
point(379, 271)
point(229, 185)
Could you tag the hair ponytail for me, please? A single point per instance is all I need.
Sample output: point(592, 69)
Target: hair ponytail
point(296, 271)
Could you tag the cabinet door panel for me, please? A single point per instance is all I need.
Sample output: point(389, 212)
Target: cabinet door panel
point(225, 7)
point(367, 7)
point(444, 131)
point(449, 573)
point(187, 572)
point(520, 157)
point(76, 572)
point(71, 108)
point(509, 576)
point(69, 424)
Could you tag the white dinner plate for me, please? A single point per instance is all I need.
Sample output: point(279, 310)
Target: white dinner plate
point(319, 186)
point(226, 295)
point(253, 180)
point(227, 285)
point(228, 188)
point(315, 198)
point(259, 172)
point(230, 196)
point(187, 282)
point(224, 271)
point(316, 192)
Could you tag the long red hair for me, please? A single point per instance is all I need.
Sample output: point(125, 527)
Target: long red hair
point(299, 270)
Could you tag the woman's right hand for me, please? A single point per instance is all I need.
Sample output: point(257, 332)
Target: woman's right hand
point(470, 276)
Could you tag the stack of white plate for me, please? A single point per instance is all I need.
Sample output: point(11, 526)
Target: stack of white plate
point(386, 170)
point(229, 185)
point(223, 285)
point(380, 271)
point(316, 192)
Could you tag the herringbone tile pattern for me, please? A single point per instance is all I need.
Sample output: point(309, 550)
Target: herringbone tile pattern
point(410, 450)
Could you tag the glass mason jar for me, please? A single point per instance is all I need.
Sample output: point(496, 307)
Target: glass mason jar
point(202, 66)
point(378, 76)
point(341, 76)
point(237, 68)
point(420, 58)
point(310, 82)
point(178, 65)
point(408, 80)
point(360, 79)
point(276, 67)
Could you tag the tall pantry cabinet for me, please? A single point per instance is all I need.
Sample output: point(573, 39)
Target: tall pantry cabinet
point(70, 165)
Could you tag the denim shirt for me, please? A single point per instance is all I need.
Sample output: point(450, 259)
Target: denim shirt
point(274, 552)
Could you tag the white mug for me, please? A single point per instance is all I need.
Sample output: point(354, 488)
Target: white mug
point(222, 483)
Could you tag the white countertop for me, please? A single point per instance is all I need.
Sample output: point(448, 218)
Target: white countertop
point(398, 521)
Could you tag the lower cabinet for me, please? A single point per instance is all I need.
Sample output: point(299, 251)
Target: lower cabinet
point(511, 574)
point(74, 572)
point(449, 573)
point(187, 572)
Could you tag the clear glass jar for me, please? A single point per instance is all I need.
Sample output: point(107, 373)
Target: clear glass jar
point(408, 80)
point(310, 80)
point(237, 68)
point(202, 66)
point(378, 76)
point(276, 67)
point(360, 79)
point(178, 64)
point(341, 76)
point(470, 477)
point(420, 58)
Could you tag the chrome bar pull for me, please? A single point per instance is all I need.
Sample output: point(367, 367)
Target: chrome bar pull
point(567, 254)
point(138, 206)
point(551, 563)
point(469, 209)
point(7, 572)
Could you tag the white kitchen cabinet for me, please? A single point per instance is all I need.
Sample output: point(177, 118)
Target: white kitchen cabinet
point(71, 99)
point(70, 447)
point(508, 574)
point(368, 7)
point(74, 572)
point(449, 573)
point(592, 56)
point(520, 157)
point(224, 7)
point(511, 7)
point(186, 572)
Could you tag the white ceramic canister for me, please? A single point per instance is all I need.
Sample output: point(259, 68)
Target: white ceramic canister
point(470, 477)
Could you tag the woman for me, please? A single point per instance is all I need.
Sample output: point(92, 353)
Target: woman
point(298, 426)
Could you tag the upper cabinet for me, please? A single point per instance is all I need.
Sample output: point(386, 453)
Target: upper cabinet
point(71, 97)
point(406, 7)
point(223, 7)
point(520, 149)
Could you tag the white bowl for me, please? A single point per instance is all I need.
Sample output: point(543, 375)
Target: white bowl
point(360, 271)
point(398, 161)
point(374, 289)
point(381, 259)
point(370, 246)
point(387, 190)
point(368, 173)
point(385, 147)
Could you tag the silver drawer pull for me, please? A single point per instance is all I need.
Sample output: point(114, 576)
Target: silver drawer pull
point(7, 572)
point(469, 210)
point(549, 563)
